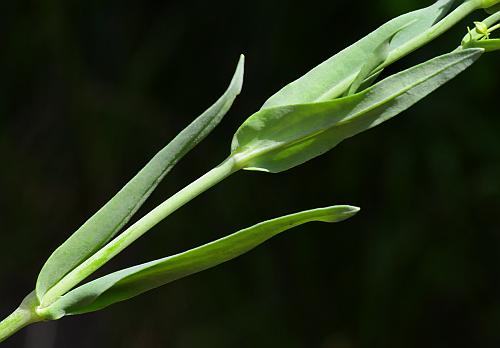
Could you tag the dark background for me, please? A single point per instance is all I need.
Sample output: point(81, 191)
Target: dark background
point(90, 90)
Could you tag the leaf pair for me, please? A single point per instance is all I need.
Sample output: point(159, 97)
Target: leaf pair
point(108, 221)
point(279, 138)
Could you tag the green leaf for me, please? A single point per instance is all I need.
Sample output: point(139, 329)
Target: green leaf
point(280, 138)
point(108, 221)
point(133, 281)
point(333, 77)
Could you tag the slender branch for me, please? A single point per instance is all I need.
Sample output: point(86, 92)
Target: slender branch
point(135, 231)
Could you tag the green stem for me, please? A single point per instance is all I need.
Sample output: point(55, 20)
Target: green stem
point(435, 31)
point(135, 231)
point(20, 318)
point(14, 322)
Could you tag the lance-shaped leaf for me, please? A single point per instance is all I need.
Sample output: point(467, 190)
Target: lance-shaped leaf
point(133, 281)
point(280, 138)
point(333, 77)
point(104, 224)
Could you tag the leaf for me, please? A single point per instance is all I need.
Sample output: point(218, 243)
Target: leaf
point(133, 281)
point(333, 77)
point(104, 224)
point(280, 138)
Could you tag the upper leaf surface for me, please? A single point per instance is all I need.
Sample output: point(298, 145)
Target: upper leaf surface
point(104, 224)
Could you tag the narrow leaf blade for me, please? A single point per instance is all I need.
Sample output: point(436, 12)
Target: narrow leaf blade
point(280, 138)
point(133, 281)
point(333, 77)
point(108, 221)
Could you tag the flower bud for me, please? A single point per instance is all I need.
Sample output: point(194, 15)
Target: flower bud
point(481, 28)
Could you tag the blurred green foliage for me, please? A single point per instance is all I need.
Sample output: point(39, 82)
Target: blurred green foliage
point(89, 90)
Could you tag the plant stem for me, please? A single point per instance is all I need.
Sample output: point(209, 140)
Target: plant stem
point(21, 317)
point(435, 31)
point(14, 322)
point(135, 231)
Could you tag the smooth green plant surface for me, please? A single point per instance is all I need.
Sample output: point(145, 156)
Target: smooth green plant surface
point(334, 101)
